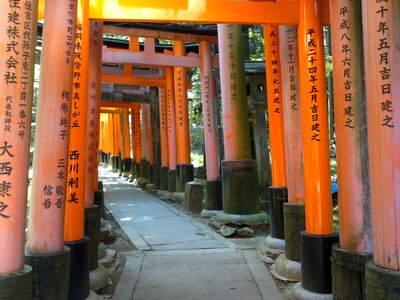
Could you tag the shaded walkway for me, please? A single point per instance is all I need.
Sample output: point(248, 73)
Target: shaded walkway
point(178, 257)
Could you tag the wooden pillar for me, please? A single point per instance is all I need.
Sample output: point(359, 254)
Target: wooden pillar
point(92, 211)
point(239, 171)
point(76, 166)
point(293, 211)
point(351, 150)
point(213, 187)
point(169, 87)
point(318, 238)
point(149, 142)
point(48, 195)
point(126, 160)
point(381, 22)
point(163, 139)
point(278, 189)
point(184, 168)
point(17, 59)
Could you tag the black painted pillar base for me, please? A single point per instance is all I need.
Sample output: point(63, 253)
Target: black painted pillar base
point(240, 194)
point(104, 157)
point(171, 181)
point(164, 178)
point(184, 174)
point(127, 167)
point(348, 273)
point(213, 195)
point(279, 196)
point(17, 285)
point(381, 283)
point(150, 173)
point(113, 163)
point(120, 165)
point(92, 231)
point(137, 170)
point(79, 269)
point(50, 274)
point(315, 263)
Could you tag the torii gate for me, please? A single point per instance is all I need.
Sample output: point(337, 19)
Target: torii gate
point(381, 69)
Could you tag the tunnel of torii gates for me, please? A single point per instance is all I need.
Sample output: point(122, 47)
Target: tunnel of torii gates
point(74, 125)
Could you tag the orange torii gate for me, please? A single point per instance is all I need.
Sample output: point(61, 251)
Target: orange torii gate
point(381, 21)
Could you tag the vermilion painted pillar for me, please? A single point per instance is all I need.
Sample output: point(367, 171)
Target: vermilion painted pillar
point(381, 23)
point(126, 143)
point(317, 240)
point(351, 151)
point(18, 28)
point(92, 195)
point(138, 138)
point(76, 165)
point(169, 87)
point(239, 172)
point(117, 141)
point(278, 189)
point(50, 161)
point(110, 138)
point(288, 264)
point(150, 143)
point(184, 168)
point(163, 139)
point(213, 187)
point(144, 142)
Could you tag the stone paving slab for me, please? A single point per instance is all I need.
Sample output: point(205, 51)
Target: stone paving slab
point(178, 257)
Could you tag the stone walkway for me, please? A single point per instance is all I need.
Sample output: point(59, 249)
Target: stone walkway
point(178, 257)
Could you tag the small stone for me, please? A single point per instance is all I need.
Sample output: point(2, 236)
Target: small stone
point(245, 232)
point(227, 231)
point(102, 251)
point(106, 261)
point(98, 278)
point(111, 252)
point(215, 224)
point(104, 232)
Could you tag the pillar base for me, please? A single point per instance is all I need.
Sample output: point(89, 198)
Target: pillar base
point(143, 168)
point(300, 293)
point(286, 269)
point(209, 213)
point(137, 170)
point(113, 163)
point(164, 178)
point(381, 283)
point(150, 173)
point(79, 269)
point(99, 201)
point(240, 195)
point(17, 285)
point(127, 167)
point(171, 181)
point(249, 219)
point(193, 201)
point(275, 244)
point(348, 273)
point(213, 195)
point(279, 196)
point(294, 219)
point(92, 231)
point(50, 274)
point(184, 174)
point(315, 259)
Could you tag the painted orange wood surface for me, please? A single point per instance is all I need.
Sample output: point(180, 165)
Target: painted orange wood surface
point(275, 106)
point(314, 113)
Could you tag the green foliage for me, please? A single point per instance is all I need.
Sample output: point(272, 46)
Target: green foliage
point(196, 114)
point(256, 43)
